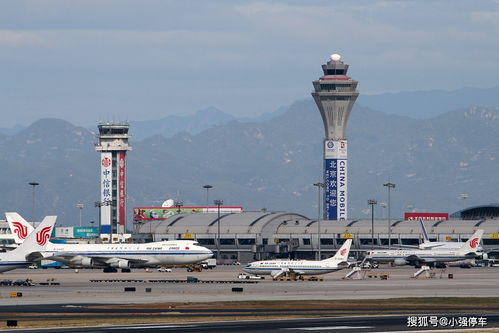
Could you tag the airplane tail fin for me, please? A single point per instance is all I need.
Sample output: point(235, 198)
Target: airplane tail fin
point(19, 227)
point(37, 241)
point(473, 243)
point(342, 254)
point(426, 239)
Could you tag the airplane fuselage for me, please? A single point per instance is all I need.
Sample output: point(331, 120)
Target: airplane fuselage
point(133, 255)
point(6, 265)
point(429, 256)
point(301, 267)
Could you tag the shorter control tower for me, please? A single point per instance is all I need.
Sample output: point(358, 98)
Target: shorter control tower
point(113, 145)
point(335, 94)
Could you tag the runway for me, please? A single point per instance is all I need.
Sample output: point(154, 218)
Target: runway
point(160, 299)
point(76, 288)
point(341, 324)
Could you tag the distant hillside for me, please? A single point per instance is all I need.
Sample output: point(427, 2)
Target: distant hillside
point(11, 131)
point(171, 125)
point(430, 103)
point(269, 164)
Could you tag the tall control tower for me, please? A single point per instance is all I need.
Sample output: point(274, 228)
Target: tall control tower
point(335, 93)
point(113, 145)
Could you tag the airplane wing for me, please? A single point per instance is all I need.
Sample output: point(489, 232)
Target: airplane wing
point(414, 259)
point(35, 256)
point(296, 271)
point(90, 260)
point(428, 246)
point(109, 260)
point(284, 271)
point(279, 272)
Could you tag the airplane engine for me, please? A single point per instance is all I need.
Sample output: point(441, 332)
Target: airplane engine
point(400, 262)
point(82, 261)
point(122, 263)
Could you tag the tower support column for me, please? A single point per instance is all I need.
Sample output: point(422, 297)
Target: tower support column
point(335, 94)
point(113, 146)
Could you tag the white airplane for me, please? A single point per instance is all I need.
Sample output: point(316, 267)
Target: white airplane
point(427, 244)
point(124, 256)
point(30, 250)
point(276, 268)
point(418, 257)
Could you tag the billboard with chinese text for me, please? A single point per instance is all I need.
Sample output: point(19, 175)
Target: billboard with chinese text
point(161, 213)
point(106, 190)
point(335, 180)
point(121, 190)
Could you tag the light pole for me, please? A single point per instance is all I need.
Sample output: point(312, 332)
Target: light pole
point(207, 187)
point(99, 205)
point(178, 204)
point(389, 186)
point(80, 206)
point(34, 184)
point(218, 203)
point(372, 203)
point(319, 187)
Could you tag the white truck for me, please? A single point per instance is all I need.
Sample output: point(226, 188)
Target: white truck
point(209, 263)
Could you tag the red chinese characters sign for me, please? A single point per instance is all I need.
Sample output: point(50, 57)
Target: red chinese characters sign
point(121, 189)
point(426, 216)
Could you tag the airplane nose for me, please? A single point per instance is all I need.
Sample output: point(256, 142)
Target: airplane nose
point(209, 253)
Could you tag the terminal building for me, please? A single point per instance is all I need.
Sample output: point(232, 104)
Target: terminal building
point(249, 236)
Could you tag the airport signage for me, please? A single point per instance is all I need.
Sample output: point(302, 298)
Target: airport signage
point(188, 236)
point(161, 213)
point(106, 190)
point(85, 232)
point(335, 189)
point(494, 236)
point(76, 232)
point(335, 180)
point(335, 149)
point(426, 216)
point(346, 236)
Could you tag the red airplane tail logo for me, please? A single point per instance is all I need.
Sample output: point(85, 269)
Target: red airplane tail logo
point(474, 243)
point(342, 252)
point(43, 236)
point(20, 230)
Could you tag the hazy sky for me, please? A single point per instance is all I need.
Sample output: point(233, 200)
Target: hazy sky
point(86, 61)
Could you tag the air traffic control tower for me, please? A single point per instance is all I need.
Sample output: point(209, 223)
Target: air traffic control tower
point(113, 145)
point(335, 93)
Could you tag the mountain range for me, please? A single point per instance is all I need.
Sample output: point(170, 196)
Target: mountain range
point(430, 103)
point(266, 164)
point(414, 104)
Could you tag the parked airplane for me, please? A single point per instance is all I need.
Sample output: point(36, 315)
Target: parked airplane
point(427, 244)
point(30, 250)
point(276, 268)
point(124, 256)
point(418, 257)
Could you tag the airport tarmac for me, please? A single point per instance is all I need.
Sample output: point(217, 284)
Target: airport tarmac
point(77, 288)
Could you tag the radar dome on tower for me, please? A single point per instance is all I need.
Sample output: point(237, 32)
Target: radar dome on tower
point(335, 57)
point(168, 203)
